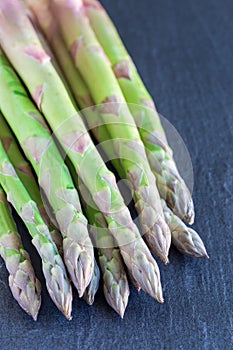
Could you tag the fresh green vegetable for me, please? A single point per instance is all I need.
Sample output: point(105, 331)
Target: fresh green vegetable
point(57, 281)
point(23, 283)
point(54, 177)
point(115, 283)
point(127, 151)
point(20, 43)
point(24, 171)
point(186, 240)
point(170, 184)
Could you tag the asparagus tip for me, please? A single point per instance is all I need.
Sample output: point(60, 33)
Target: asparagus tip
point(90, 302)
point(68, 315)
point(165, 260)
point(160, 300)
point(121, 310)
point(205, 256)
point(34, 316)
point(190, 214)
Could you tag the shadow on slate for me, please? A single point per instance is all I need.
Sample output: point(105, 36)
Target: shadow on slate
point(184, 51)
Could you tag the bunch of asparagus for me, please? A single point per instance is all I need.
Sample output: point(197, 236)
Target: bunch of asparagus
point(57, 56)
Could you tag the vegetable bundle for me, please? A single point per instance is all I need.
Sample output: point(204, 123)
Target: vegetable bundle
point(57, 56)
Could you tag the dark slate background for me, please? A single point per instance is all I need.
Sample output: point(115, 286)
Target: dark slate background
point(183, 49)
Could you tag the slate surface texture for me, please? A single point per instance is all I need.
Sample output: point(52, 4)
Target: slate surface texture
point(184, 51)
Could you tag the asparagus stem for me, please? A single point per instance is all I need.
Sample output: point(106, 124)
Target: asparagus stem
point(23, 283)
point(19, 40)
point(115, 283)
point(57, 281)
point(170, 184)
point(53, 175)
point(186, 240)
point(24, 171)
point(126, 148)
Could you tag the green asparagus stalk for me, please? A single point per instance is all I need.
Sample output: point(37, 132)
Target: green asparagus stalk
point(23, 48)
point(84, 100)
point(55, 180)
point(53, 43)
point(185, 239)
point(23, 283)
point(24, 171)
point(127, 147)
point(57, 281)
point(93, 287)
point(115, 283)
point(170, 184)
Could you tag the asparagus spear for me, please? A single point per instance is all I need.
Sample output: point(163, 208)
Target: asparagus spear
point(23, 283)
point(170, 184)
point(55, 180)
point(128, 147)
point(90, 292)
point(115, 283)
point(57, 281)
point(23, 48)
point(84, 100)
point(186, 240)
point(24, 171)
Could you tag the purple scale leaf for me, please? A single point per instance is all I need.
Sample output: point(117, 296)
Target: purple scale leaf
point(110, 179)
point(45, 183)
point(103, 200)
point(148, 103)
point(38, 95)
point(7, 169)
point(122, 70)
point(75, 47)
point(27, 213)
point(37, 54)
point(111, 106)
point(64, 217)
point(37, 147)
point(77, 142)
point(94, 5)
point(69, 196)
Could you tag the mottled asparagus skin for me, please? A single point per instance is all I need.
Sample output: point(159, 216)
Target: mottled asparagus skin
point(23, 48)
point(53, 175)
point(23, 283)
point(93, 287)
point(56, 278)
point(171, 186)
point(25, 174)
point(127, 148)
point(115, 283)
point(186, 240)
